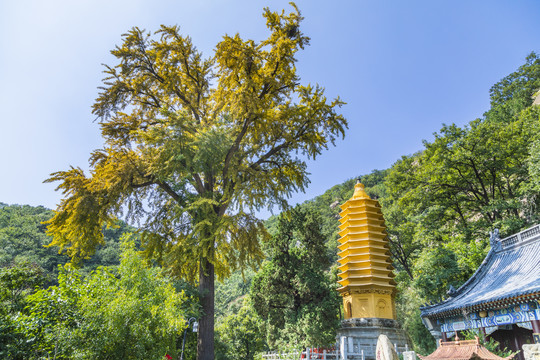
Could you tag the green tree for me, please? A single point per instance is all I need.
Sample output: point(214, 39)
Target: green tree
point(193, 146)
point(241, 334)
point(22, 237)
point(401, 212)
point(17, 281)
point(292, 292)
point(408, 303)
point(231, 292)
point(435, 271)
point(515, 92)
point(134, 313)
point(467, 181)
point(531, 189)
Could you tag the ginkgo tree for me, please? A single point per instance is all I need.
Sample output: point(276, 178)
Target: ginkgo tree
point(194, 146)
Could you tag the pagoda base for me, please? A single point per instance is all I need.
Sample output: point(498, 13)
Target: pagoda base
point(357, 334)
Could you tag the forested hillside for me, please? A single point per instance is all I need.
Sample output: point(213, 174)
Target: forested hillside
point(439, 205)
point(23, 239)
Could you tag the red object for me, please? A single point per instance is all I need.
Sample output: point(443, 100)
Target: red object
point(317, 351)
point(168, 357)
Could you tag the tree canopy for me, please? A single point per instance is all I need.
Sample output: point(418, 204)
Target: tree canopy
point(293, 292)
point(131, 311)
point(193, 146)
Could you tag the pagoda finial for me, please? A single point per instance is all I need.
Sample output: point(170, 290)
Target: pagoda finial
point(359, 192)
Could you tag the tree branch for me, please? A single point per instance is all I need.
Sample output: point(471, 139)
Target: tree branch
point(165, 187)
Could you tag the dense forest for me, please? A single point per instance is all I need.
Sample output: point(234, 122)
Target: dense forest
point(439, 205)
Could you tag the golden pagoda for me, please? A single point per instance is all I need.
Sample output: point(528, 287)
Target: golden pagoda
point(367, 284)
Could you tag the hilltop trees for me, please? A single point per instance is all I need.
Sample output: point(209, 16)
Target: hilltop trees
point(22, 237)
point(193, 146)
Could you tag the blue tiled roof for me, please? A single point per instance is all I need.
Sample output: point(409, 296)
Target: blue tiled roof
point(511, 269)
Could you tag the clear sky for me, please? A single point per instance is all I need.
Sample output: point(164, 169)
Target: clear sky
point(403, 67)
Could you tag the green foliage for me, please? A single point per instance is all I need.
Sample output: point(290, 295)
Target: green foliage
point(241, 335)
point(109, 253)
point(292, 292)
point(17, 281)
point(514, 92)
point(532, 188)
point(134, 313)
point(435, 270)
point(23, 239)
point(231, 292)
point(440, 203)
point(408, 304)
point(489, 343)
point(327, 206)
point(12, 343)
point(50, 320)
point(468, 180)
point(25, 264)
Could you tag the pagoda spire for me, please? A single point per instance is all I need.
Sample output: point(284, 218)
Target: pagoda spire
point(367, 281)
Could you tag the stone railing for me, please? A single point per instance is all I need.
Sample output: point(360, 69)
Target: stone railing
point(308, 354)
point(522, 236)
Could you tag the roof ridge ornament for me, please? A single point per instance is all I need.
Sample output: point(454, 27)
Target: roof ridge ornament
point(495, 240)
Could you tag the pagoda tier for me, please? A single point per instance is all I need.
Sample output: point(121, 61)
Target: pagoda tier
point(367, 284)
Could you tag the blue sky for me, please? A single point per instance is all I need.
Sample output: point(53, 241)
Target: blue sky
point(403, 67)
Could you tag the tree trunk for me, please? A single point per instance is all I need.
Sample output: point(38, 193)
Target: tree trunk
point(205, 338)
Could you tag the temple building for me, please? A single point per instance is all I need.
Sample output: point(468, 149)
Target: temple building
point(367, 282)
point(502, 297)
point(463, 350)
